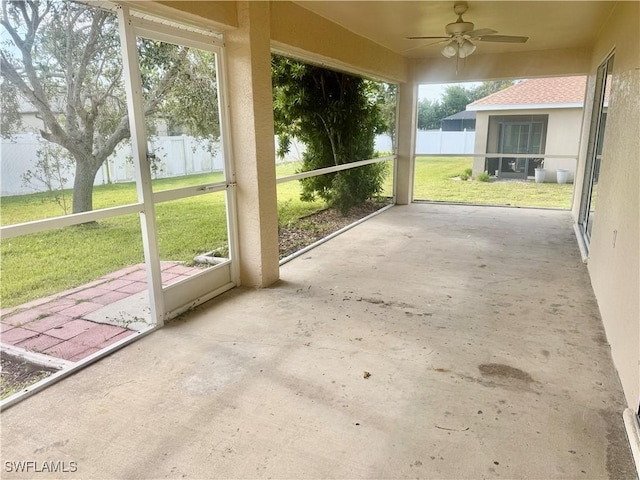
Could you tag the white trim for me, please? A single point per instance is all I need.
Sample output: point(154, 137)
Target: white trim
point(185, 192)
point(633, 433)
point(510, 155)
point(582, 245)
point(169, 33)
point(336, 168)
point(200, 300)
point(229, 166)
point(524, 106)
point(35, 357)
point(135, 109)
point(37, 226)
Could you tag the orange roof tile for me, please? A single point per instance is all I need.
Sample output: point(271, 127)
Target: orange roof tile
point(538, 91)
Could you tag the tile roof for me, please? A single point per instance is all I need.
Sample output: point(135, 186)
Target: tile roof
point(538, 91)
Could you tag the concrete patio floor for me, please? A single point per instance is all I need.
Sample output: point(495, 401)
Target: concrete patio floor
point(431, 341)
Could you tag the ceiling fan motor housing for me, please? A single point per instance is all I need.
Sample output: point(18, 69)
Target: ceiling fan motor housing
point(458, 28)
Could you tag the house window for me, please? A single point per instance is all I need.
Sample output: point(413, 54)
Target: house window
point(516, 135)
point(594, 149)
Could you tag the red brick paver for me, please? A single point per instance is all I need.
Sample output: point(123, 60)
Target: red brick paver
point(47, 323)
point(17, 335)
point(81, 309)
point(39, 343)
point(70, 329)
point(54, 325)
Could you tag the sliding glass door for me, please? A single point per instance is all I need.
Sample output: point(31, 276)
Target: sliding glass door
point(594, 150)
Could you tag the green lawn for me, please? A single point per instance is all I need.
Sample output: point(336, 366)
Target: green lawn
point(435, 179)
point(38, 265)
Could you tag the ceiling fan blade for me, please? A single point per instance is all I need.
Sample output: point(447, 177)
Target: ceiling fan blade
point(427, 38)
point(439, 42)
point(480, 32)
point(502, 38)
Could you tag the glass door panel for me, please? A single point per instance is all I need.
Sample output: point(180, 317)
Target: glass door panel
point(595, 149)
point(514, 139)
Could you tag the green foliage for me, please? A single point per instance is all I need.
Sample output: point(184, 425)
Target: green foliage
point(337, 116)
point(466, 175)
point(455, 99)
point(483, 177)
point(63, 58)
point(52, 169)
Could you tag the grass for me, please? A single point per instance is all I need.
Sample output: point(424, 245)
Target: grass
point(435, 179)
point(37, 265)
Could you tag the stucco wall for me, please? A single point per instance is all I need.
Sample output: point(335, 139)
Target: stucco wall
point(298, 31)
point(614, 259)
point(563, 137)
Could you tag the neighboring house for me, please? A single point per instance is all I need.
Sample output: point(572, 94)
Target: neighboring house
point(537, 116)
point(464, 121)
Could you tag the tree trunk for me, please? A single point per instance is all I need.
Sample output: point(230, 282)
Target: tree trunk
point(83, 185)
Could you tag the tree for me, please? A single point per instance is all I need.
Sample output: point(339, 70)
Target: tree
point(336, 115)
point(429, 115)
point(487, 88)
point(455, 99)
point(64, 59)
point(387, 100)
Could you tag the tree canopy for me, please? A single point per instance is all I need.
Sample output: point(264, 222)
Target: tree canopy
point(455, 99)
point(337, 116)
point(64, 59)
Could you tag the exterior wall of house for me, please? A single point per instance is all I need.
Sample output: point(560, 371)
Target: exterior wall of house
point(563, 137)
point(298, 31)
point(614, 258)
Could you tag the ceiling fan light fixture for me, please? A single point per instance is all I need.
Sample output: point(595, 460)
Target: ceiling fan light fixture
point(450, 50)
point(466, 48)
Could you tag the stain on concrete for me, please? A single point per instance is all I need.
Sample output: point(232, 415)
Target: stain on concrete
point(504, 371)
point(619, 463)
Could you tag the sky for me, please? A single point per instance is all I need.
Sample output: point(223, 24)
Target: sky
point(435, 91)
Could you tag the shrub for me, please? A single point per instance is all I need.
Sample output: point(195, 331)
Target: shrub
point(483, 177)
point(336, 116)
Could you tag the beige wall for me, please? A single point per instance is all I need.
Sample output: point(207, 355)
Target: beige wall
point(300, 32)
point(563, 138)
point(614, 259)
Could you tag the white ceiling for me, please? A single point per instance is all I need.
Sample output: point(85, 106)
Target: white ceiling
point(548, 24)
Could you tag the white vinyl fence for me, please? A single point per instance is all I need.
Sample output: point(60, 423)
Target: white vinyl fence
point(437, 141)
point(174, 156)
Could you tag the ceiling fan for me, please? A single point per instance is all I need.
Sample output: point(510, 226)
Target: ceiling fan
point(460, 35)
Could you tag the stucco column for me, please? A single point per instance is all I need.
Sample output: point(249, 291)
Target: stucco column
point(407, 115)
point(251, 117)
